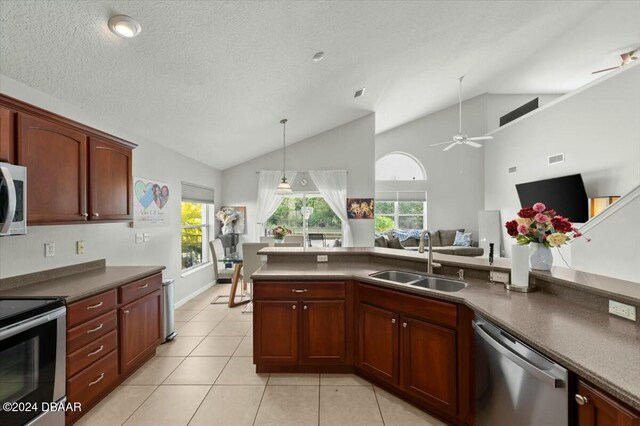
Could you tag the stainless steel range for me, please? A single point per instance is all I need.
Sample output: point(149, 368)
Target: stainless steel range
point(32, 361)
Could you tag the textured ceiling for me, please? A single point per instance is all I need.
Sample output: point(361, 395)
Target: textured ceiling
point(212, 79)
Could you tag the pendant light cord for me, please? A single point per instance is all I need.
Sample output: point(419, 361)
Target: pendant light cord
point(284, 148)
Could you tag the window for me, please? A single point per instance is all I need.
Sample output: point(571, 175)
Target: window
point(400, 215)
point(321, 219)
point(195, 233)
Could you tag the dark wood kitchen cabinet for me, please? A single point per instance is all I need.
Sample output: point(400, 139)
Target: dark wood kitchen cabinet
point(7, 136)
point(596, 408)
point(276, 324)
point(110, 187)
point(140, 329)
point(56, 160)
point(323, 331)
point(378, 342)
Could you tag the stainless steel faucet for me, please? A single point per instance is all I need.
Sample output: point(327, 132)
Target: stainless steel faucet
point(421, 250)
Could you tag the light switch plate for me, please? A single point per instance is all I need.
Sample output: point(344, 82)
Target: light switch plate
point(49, 249)
point(80, 247)
point(499, 277)
point(323, 258)
point(622, 310)
point(139, 238)
point(147, 237)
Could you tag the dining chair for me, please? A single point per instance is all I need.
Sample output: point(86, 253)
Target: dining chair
point(290, 245)
point(217, 252)
point(294, 239)
point(315, 238)
point(251, 262)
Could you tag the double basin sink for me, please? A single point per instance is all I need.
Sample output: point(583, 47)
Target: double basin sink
point(420, 280)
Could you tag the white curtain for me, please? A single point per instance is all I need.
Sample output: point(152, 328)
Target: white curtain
point(268, 200)
point(333, 187)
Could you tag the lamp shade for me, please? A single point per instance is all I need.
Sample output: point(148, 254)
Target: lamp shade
point(284, 188)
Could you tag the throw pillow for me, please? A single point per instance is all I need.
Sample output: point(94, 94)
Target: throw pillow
point(447, 237)
point(381, 242)
point(462, 239)
point(394, 243)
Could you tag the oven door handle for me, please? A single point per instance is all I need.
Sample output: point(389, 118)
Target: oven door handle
point(11, 206)
point(30, 323)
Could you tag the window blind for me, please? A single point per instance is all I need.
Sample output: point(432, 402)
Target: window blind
point(198, 193)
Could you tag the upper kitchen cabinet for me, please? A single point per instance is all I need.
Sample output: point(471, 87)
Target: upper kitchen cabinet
point(7, 136)
point(56, 160)
point(110, 187)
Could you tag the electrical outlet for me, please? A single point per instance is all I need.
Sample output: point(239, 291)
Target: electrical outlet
point(139, 238)
point(147, 237)
point(323, 258)
point(49, 249)
point(622, 310)
point(500, 277)
point(80, 247)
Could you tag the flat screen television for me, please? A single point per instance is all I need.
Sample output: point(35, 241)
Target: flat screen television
point(565, 194)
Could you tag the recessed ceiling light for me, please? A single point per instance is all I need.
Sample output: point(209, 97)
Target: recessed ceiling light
point(359, 92)
point(318, 56)
point(124, 26)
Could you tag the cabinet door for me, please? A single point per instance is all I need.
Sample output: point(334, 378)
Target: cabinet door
point(140, 329)
point(110, 190)
point(378, 342)
point(276, 331)
point(429, 363)
point(598, 409)
point(56, 161)
point(323, 331)
point(7, 136)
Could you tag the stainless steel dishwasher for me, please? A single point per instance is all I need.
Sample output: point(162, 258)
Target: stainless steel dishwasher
point(515, 384)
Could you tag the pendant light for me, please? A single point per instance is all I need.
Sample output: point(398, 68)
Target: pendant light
point(284, 188)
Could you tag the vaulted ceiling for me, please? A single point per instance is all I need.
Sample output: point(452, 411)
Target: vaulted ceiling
point(212, 79)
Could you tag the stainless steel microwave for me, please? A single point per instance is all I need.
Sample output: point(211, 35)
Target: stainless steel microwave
point(13, 200)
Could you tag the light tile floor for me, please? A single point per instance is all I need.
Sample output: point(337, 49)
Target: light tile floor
point(207, 377)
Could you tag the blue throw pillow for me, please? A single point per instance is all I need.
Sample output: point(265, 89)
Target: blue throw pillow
point(462, 239)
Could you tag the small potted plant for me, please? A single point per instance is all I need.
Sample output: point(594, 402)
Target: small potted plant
point(541, 228)
point(280, 231)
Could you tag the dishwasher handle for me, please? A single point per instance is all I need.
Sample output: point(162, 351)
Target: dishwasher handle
point(522, 362)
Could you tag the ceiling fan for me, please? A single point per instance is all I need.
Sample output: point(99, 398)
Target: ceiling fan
point(462, 138)
point(626, 59)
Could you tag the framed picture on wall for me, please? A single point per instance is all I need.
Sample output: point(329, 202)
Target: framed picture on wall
point(233, 219)
point(360, 208)
point(150, 202)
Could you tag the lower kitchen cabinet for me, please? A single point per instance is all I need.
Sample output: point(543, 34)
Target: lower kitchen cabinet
point(378, 342)
point(429, 363)
point(276, 331)
point(596, 408)
point(323, 331)
point(140, 329)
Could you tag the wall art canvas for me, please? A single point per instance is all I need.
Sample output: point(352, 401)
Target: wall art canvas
point(233, 220)
point(360, 208)
point(150, 202)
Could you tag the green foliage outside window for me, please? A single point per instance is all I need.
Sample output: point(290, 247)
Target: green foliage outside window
point(289, 214)
point(193, 232)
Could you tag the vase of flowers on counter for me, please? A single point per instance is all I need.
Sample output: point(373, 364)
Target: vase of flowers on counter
point(280, 231)
point(542, 229)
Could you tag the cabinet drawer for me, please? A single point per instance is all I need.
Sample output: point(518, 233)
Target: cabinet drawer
point(88, 332)
point(137, 289)
point(434, 311)
point(302, 290)
point(90, 307)
point(91, 382)
point(92, 352)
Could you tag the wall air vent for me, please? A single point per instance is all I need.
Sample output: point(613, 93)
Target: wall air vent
point(513, 169)
point(556, 159)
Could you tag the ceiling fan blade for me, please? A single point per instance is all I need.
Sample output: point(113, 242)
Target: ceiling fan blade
point(451, 146)
point(473, 144)
point(606, 69)
point(441, 143)
point(480, 138)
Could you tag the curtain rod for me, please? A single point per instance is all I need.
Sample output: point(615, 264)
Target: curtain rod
point(303, 171)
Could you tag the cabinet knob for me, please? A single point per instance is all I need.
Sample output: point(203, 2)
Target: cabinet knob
point(84, 214)
point(393, 321)
point(581, 400)
point(293, 306)
point(404, 324)
point(305, 307)
point(126, 312)
point(96, 215)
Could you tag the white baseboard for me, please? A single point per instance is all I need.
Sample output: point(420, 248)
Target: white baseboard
point(194, 294)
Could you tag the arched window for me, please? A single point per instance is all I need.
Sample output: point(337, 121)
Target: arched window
point(400, 193)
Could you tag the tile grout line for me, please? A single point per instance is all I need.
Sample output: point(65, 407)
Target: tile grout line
point(255, 417)
point(200, 405)
point(141, 404)
point(375, 394)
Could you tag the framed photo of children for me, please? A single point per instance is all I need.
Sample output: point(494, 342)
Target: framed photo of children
point(360, 208)
point(150, 199)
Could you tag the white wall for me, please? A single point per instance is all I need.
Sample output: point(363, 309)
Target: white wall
point(598, 129)
point(115, 242)
point(349, 147)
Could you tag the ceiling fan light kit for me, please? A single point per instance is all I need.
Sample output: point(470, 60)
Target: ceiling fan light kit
point(626, 57)
point(462, 138)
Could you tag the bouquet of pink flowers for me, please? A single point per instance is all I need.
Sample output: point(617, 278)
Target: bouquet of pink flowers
point(280, 231)
point(538, 224)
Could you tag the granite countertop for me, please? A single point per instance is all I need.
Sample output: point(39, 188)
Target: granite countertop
point(603, 349)
point(84, 283)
